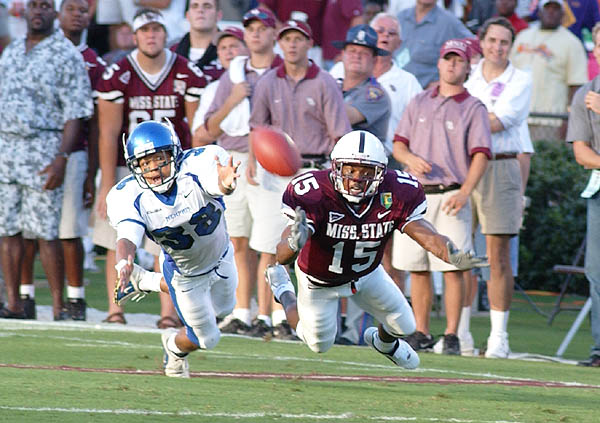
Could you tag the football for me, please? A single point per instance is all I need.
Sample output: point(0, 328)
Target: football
point(275, 151)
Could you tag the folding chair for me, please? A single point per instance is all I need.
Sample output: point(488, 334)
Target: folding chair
point(569, 271)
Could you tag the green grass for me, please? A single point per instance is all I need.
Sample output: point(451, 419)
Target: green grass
point(40, 394)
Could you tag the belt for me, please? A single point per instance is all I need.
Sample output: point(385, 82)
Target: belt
point(504, 156)
point(440, 188)
point(314, 161)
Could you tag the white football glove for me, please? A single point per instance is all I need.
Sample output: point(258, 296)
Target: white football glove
point(465, 260)
point(298, 231)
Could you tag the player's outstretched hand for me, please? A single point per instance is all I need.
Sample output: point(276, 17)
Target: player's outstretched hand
point(465, 260)
point(299, 231)
point(228, 174)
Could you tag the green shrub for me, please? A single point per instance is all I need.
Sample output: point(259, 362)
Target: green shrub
point(555, 221)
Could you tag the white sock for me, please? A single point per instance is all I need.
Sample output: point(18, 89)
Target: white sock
point(75, 292)
point(265, 319)
point(464, 324)
point(278, 317)
point(242, 314)
point(384, 347)
point(172, 346)
point(27, 290)
point(499, 322)
point(150, 282)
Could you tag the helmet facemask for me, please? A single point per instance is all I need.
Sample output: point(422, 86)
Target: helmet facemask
point(164, 158)
point(346, 184)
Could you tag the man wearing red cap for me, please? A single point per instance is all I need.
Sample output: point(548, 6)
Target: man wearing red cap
point(444, 140)
point(249, 232)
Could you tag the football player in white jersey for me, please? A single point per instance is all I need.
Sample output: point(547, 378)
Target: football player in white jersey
point(175, 197)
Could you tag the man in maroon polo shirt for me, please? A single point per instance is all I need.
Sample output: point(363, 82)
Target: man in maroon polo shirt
point(444, 140)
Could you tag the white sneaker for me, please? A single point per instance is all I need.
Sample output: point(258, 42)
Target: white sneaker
point(497, 346)
point(438, 347)
point(402, 355)
point(175, 366)
point(279, 281)
point(467, 345)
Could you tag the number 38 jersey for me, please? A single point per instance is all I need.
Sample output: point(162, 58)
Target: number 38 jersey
point(143, 99)
point(187, 222)
point(346, 244)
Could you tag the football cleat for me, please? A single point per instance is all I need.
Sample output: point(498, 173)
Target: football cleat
point(131, 292)
point(175, 366)
point(279, 281)
point(401, 355)
point(77, 308)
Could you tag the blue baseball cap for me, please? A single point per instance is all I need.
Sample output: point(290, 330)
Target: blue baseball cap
point(361, 35)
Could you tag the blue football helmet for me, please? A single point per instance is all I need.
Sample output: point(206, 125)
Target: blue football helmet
point(151, 137)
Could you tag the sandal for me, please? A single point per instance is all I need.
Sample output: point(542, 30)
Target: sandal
point(5, 313)
point(167, 322)
point(117, 317)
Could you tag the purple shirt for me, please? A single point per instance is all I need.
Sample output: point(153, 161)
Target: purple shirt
point(310, 111)
point(224, 89)
point(445, 131)
point(344, 245)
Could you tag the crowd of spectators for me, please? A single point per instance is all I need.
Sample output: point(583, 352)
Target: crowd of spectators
point(404, 70)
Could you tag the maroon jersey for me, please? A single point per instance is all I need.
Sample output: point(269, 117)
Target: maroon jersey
point(95, 67)
point(125, 83)
point(346, 245)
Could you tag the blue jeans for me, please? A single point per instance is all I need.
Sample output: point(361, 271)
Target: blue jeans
point(592, 266)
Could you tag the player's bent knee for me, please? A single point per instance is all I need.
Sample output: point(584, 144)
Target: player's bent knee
point(321, 346)
point(400, 324)
point(209, 341)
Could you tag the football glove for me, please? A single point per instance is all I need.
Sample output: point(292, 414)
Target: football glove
point(298, 231)
point(464, 260)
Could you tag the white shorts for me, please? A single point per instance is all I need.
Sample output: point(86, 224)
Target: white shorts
point(110, 12)
point(410, 256)
point(264, 201)
point(237, 212)
point(200, 299)
point(74, 217)
point(376, 293)
point(106, 236)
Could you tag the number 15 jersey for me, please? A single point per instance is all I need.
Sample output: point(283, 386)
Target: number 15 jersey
point(187, 222)
point(346, 244)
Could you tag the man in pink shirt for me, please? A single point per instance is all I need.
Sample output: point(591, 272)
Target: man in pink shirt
point(444, 140)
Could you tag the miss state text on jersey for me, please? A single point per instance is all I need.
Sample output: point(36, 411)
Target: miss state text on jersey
point(187, 222)
point(344, 244)
point(179, 81)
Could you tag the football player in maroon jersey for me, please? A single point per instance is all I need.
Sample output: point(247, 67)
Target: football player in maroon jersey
point(341, 221)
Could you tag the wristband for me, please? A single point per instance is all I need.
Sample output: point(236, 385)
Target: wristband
point(62, 154)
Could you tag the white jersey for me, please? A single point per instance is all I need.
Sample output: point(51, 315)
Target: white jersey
point(187, 222)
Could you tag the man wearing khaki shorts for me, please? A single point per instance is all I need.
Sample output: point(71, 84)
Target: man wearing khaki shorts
point(444, 140)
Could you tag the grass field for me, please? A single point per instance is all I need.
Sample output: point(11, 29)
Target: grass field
point(67, 371)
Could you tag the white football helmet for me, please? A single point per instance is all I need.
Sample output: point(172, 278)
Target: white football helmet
point(358, 148)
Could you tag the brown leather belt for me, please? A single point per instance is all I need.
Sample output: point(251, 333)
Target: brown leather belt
point(504, 156)
point(440, 188)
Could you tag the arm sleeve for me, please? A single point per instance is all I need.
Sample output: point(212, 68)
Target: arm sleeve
point(195, 84)
point(512, 107)
point(577, 64)
point(110, 88)
point(580, 126)
point(260, 115)
point(334, 111)
point(204, 166)
point(123, 214)
point(223, 91)
point(75, 91)
point(480, 135)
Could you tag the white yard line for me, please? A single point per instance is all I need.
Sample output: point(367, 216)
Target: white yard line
point(258, 415)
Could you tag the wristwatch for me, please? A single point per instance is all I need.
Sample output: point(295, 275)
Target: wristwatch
point(62, 154)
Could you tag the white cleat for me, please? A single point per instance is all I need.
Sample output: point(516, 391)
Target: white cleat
point(467, 345)
point(174, 365)
point(279, 281)
point(497, 347)
point(402, 355)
